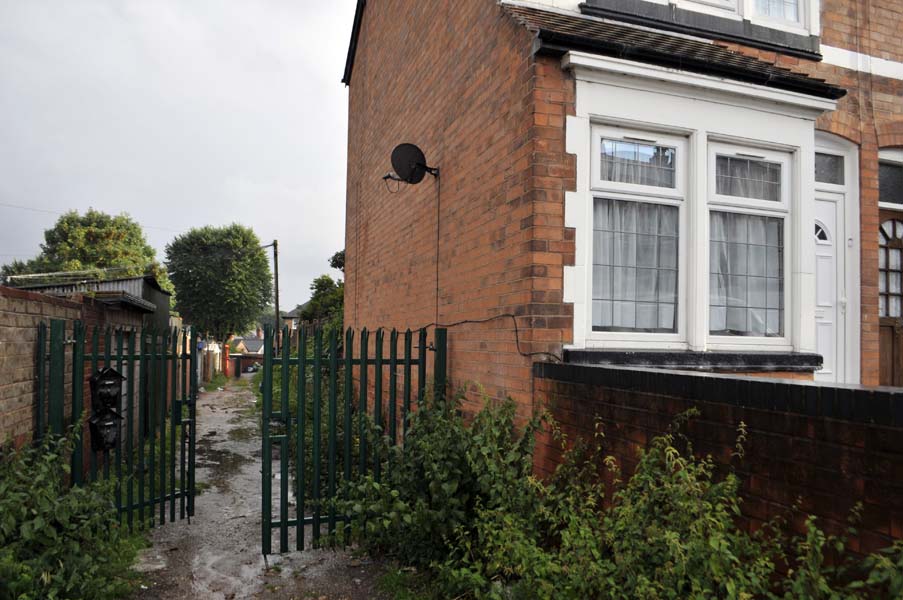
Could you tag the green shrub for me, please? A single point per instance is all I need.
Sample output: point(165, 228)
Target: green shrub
point(56, 541)
point(462, 504)
point(437, 484)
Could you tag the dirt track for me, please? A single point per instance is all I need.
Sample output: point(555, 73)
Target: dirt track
point(217, 555)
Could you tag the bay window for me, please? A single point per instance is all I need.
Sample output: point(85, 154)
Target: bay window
point(640, 206)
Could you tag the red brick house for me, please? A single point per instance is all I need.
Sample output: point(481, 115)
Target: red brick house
point(703, 184)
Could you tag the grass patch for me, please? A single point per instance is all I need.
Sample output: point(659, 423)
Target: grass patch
point(219, 380)
point(405, 584)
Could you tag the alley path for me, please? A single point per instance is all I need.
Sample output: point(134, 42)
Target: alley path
point(217, 556)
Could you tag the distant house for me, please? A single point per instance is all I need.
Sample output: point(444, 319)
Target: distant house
point(292, 318)
point(252, 346)
point(142, 294)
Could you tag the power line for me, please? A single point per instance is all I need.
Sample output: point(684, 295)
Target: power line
point(56, 212)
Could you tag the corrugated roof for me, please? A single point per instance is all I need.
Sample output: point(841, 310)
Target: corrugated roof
point(559, 31)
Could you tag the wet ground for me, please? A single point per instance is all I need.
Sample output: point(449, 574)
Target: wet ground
point(217, 556)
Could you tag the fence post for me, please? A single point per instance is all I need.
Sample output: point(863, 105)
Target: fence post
point(267, 466)
point(42, 380)
point(440, 362)
point(192, 416)
point(57, 372)
point(78, 387)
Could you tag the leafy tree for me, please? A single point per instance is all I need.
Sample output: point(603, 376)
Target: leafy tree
point(114, 246)
point(222, 278)
point(327, 299)
point(267, 317)
point(337, 261)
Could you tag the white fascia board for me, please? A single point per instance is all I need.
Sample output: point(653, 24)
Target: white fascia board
point(585, 64)
point(856, 61)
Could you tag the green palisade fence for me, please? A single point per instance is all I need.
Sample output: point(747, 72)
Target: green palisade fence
point(319, 399)
point(153, 460)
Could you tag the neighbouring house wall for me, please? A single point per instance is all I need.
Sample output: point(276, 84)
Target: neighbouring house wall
point(20, 314)
point(828, 447)
point(459, 80)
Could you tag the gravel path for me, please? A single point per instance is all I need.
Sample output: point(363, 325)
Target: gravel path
point(217, 556)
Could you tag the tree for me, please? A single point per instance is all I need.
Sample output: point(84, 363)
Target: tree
point(337, 261)
point(222, 278)
point(113, 246)
point(327, 299)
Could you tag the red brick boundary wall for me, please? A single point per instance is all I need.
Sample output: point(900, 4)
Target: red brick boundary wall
point(827, 447)
point(20, 314)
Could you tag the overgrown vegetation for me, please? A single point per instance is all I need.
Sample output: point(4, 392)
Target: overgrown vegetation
point(461, 505)
point(217, 381)
point(58, 542)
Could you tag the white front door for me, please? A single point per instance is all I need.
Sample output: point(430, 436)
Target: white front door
point(830, 292)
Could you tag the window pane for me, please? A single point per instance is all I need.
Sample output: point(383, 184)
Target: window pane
point(890, 181)
point(748, 178)
point(638, 163)
point(780, 9)
point(635, 281)
point(828, 168)
point(746, 276)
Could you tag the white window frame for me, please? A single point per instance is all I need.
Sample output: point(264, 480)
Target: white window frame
point(677, 197)
point(808, 11)
point(678, 192)
point(894, 156)
point(749, 206)
point(730, 9)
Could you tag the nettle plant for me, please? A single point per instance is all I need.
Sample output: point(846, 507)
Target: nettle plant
point(58, 541)
point(461, 503)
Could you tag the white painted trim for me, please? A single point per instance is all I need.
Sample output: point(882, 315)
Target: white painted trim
point(851, 245)
point(863, 63)
point(702, 115)
point(584, 64)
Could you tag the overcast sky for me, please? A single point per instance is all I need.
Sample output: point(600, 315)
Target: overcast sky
point(181, 113)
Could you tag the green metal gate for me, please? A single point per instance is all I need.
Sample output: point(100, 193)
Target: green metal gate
point(311, 376)
point(153, 461)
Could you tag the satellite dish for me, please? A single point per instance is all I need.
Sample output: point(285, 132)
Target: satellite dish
point(410, 165)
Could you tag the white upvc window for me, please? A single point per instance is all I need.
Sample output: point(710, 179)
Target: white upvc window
point(780, 10)
point(639, 204)
point(797, 16)
point(749, 227)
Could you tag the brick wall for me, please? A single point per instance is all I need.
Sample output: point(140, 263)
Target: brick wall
point(483, 111)
point(20, 314)
point(827, 446)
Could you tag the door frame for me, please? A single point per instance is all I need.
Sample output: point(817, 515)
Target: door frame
point(850, 245)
